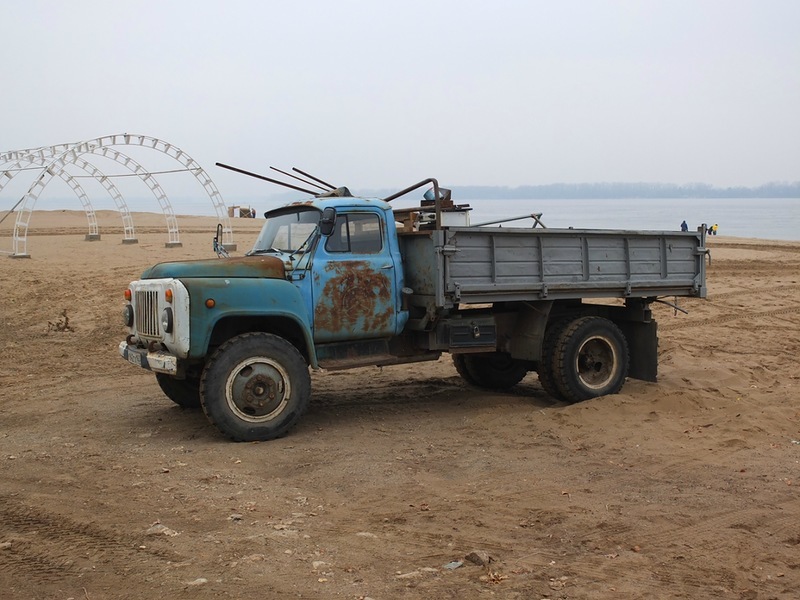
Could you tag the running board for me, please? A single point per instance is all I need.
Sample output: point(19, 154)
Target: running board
point(376, 360)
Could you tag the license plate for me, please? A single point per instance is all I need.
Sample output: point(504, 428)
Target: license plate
point(135, 358)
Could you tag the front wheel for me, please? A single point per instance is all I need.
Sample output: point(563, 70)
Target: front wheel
point(590, 359)
point(183, 392)
point(255, 387)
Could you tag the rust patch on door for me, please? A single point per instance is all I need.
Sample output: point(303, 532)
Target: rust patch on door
point(356, 299)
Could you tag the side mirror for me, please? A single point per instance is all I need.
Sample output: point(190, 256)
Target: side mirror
point(327, 221)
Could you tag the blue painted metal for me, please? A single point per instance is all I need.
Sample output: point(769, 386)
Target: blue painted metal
point(355, 276)
point(260, 266)
point(243, 297)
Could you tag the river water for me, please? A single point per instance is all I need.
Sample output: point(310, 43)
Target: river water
point(765, 218)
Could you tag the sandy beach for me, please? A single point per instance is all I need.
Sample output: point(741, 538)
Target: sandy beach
point(684, 488)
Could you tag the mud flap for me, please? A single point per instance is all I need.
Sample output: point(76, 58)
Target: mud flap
point(643, 346)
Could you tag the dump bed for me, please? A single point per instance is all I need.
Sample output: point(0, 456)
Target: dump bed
point(464, 265)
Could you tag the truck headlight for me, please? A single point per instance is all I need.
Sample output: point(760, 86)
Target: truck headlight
point(127, 315)
point(166, 320)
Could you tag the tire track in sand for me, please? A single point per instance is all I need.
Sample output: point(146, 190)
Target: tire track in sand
point(732, 317)
point(46, 547)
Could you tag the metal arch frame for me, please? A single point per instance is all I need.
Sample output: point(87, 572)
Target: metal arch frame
point(129, 235)
point(20, 235)
point(76, 188)
point(43, 151)
point(64, 154)
point(126, 161)
point(57, 167)
point(151, 182)
point(189, 164)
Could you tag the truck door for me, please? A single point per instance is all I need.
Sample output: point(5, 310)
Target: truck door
point(354, 281)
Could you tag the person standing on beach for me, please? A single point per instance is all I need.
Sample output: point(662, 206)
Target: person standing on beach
point(714, 229)
point(684, 226)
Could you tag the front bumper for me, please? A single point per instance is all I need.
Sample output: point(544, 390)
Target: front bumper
point(160, 361)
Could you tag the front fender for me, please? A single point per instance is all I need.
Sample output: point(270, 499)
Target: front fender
point(243, 297)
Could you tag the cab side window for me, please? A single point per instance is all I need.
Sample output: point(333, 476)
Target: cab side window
point(356, 233)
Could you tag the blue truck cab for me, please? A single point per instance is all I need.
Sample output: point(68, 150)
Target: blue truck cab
point(350, 277)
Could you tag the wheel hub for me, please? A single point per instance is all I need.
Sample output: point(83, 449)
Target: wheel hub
point(596, 361)
point(258, 390)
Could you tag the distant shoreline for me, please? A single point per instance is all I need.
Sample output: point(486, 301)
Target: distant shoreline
point(617, 191)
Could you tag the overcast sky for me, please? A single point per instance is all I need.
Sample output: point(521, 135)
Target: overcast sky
point(384, 94)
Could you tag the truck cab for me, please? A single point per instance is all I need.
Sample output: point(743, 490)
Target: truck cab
point(350, 276)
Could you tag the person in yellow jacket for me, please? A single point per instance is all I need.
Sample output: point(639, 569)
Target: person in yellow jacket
point(714, 229)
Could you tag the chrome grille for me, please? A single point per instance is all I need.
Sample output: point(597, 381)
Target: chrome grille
point(147, 321)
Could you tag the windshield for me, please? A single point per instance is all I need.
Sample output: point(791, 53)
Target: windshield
point(287, 231)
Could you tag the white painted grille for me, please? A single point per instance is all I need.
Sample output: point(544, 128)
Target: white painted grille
point(147, 318)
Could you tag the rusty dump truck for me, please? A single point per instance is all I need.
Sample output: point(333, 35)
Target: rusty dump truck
point(336, 282)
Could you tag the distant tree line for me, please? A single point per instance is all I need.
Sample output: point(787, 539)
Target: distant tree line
point(626, 190)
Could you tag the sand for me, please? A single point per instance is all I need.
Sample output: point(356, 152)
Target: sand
point(684, 488)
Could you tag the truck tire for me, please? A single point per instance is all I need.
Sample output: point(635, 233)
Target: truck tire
point(183, 392)
point(255, 387)
point(590, 359)
point(494, 370)
point(460, 363)
point(545, 366)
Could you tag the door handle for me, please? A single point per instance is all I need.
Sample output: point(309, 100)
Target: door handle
point(389, 266)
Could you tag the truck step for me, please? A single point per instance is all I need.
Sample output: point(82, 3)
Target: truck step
point(375, 360)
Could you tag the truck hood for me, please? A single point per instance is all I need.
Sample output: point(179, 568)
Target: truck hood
point(269, 267)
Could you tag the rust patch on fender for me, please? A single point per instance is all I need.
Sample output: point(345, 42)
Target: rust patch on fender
point(267, 266)
point(356, 296)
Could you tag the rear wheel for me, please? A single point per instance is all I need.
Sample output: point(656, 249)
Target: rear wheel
point(255, 387)
point(183, 392)
point(460, 363)
point(494, 371)
point(545, 366)
point(590, 359)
